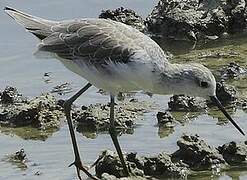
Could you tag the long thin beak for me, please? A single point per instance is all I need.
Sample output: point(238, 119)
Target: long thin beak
point(220, 106)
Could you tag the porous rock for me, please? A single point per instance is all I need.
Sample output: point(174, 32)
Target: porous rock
point(143, 167)
point(42, 112)
point(234, 153)
point(233, 70)
point(11, 95)
point(225, 93)
point(197, 153)
point(186, 103)
point(19, 158)
point(126, 16)
point(96, 117)
point(193, 21)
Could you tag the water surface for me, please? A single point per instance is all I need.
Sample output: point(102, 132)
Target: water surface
point(19, 68)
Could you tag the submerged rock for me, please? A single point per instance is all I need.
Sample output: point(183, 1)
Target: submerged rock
point(188, 20)
point(141, 167)
point(19, 156)
point(166, 123)
point(95, 117)
point(234, 153)
point(126, 16)
point(186, 103)
point(19, 159)
point(197, 153)
point(41, 112)
point(165, 119)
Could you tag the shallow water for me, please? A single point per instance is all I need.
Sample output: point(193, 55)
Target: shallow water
point(51, 156)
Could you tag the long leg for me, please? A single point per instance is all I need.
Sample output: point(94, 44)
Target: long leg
point(67, 110)
point(113, 133)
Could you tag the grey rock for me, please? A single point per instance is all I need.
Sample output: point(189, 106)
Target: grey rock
point(94, 118)
point(41, 112)
point(225, 93)
point(11, 95)
point(234, 153)
point(126, 16)
point(197, 153)
point(19, 159)
point(163, 166)
point(165, 119)
point(141, 167)
point(185, 20)
point(186, 103)
point(233, 70)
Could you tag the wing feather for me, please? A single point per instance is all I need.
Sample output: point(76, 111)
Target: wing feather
point(82, 40)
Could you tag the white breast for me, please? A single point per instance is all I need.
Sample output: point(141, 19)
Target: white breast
point(132, 76)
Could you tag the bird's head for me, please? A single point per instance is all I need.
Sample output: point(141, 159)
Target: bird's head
point(196, 80)
point(192, 80)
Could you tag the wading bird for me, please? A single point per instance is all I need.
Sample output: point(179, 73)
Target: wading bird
point(117, 58)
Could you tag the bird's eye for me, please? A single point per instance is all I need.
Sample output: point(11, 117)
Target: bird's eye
point(204, 84)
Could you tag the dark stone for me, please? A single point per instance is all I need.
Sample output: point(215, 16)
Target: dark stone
point(126, 16)
point(11, 95)
point(165, 118)
point(225, 93)
point(197, 153)
point(109, 163)
point(143, 167)
point(19, 159)
point(19, 155)
point(42, 112)
point(234, 153)
point(163, 166)
point(186, 103)
point(95, 118)
point(185, 20)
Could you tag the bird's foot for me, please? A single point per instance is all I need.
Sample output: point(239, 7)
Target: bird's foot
point(80, 167)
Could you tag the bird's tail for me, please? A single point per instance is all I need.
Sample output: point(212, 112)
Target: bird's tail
point(38, 26)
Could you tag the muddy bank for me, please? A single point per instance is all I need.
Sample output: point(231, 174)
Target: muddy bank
point(194, 155)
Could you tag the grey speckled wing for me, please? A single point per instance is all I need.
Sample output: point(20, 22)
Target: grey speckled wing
point(95, 41)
